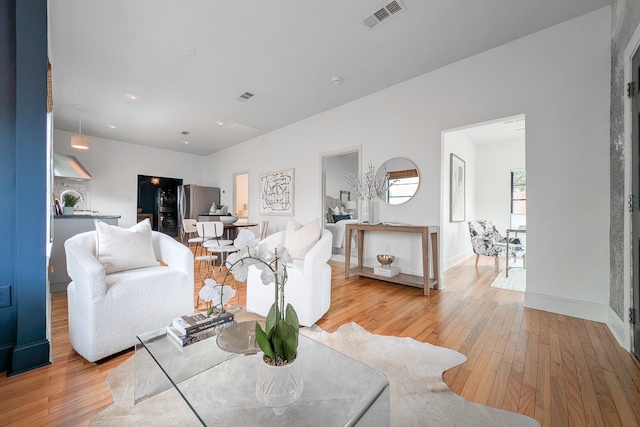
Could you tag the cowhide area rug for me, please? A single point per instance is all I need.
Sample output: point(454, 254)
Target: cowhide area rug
point(419, 397)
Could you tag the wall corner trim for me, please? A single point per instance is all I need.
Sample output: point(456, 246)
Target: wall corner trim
point(618, 329)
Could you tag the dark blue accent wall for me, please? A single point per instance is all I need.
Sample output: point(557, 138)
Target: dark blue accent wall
point(7, 173)
point(23, 199)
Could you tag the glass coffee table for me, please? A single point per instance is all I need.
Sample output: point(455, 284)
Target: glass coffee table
point(219, 385)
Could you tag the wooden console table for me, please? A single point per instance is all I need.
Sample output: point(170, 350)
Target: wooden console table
point(423, 281)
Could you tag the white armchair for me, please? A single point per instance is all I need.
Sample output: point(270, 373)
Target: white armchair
point(308, 287)
point(107, 311)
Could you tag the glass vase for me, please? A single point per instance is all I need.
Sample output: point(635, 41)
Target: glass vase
point(367, 212)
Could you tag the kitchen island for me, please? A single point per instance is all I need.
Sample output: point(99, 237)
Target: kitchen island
point(64, 227)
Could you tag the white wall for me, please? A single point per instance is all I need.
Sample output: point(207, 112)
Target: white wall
point(558, 77)
point(455, 240)
point(495, 161)
point(115, 166)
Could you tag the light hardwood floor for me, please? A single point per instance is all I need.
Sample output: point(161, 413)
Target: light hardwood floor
point(560, 370)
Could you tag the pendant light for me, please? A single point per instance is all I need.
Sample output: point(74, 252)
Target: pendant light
point(80, 141)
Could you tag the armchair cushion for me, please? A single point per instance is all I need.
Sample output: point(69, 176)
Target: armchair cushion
point(300, 239)
point(120, 249)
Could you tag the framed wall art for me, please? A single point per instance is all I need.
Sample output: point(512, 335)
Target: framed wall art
point(276, 193)
point(457, 196)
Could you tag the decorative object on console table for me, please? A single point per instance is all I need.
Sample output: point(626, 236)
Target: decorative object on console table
point(276, 193)
point(457, 194)
point(387, 269)
point(367, 189)
point(429, 234)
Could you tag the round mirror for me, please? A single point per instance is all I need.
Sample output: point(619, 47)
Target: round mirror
point(402, 182)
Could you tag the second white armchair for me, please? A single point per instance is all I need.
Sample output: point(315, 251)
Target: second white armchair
point(308, 287)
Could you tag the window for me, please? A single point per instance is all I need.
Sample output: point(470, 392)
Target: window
point(402, 185)
point(518, 197)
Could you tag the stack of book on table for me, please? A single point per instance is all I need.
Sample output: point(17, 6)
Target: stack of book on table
point(198, 326)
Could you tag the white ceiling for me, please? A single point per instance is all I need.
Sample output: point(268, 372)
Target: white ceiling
point(189, 60)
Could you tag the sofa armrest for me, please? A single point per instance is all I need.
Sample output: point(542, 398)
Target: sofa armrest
point(173, 253)
point(85, 270)
point(274, 239)
point(318, 255)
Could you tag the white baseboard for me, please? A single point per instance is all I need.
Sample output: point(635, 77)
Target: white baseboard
point(455, 260)
point(567, 306)
point(618, 329)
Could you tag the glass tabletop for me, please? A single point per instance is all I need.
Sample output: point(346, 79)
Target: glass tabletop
point(219, 385)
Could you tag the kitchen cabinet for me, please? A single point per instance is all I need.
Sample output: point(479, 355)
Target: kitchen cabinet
point(64, 227)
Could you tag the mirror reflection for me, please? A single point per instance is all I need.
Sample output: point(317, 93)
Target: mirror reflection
point(403, 180)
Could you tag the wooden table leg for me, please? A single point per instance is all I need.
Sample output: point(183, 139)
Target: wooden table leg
point(425, 261)
point(434, 257)
point(347, 251)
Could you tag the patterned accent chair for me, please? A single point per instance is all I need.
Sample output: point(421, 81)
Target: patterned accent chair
point(486, 240)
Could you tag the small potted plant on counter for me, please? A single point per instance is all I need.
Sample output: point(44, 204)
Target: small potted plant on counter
point(69, 203)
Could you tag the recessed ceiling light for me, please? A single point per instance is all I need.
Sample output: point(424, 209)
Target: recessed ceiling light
point(112, 126)
point(219, 123)
point(336, 80)
point(185, 142)
point(132, 96)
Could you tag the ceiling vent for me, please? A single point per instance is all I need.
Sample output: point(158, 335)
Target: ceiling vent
point(245, 97)
point(243, 129)
point(378, 16)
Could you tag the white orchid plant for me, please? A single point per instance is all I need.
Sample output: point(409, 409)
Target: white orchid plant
point(279, 339)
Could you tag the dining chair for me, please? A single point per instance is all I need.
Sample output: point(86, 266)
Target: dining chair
point(263, 229)
point(216, 245)
point(189, 229)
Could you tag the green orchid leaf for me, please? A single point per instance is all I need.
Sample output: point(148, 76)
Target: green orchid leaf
point(290, 335)
point(272, 317)
point(264, 342)
point(291, 317)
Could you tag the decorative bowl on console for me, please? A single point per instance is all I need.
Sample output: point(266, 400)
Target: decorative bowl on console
point(386, 259)
point(228, 219)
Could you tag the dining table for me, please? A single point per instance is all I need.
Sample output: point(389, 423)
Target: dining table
point(231, 230)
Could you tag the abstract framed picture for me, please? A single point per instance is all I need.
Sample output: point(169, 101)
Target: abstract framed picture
point(276, 193)
point(457, 196)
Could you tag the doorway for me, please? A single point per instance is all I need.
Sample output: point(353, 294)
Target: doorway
point(495, 186)
point(158, 202)
point(339, 201)
point(241, 195)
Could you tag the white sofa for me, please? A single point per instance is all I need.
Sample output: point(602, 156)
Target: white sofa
point(308, 287)
point(107, 311)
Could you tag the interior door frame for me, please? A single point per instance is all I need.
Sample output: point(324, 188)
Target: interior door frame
point(322, 156)
point(235, 192)
point(622, 328)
